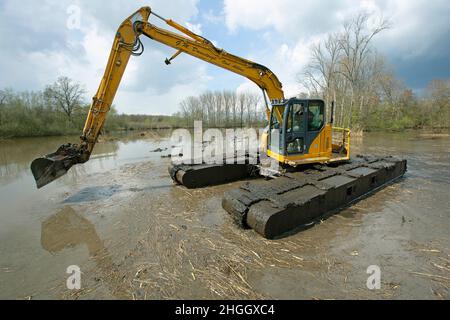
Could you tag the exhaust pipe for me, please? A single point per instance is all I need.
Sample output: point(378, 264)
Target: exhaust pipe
point(49, 168)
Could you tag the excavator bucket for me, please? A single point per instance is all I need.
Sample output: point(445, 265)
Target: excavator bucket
point(54, 165)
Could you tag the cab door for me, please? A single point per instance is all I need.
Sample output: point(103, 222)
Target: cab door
point(315, 121)
point(295, 136)
point(275, 143)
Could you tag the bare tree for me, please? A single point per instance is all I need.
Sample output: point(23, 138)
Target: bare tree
point(241, 107)
point(218, 106)
point(66, 95)
point(227, 100)
point(222, 109)
point(206, 102)
point(2, 102)
point(438, 96)
point(355, 44)
point(252, 101)
point(320, 72)
point(233, 103)
point(344, 66)
point(2, 97)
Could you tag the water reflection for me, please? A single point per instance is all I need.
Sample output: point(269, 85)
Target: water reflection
point(66, 229)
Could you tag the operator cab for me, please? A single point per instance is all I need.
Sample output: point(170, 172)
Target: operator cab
point(294, 125)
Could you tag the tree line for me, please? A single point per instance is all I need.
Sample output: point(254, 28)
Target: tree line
point(61, 109)
point(223, 109)
point(346, 68)
point(40, 113)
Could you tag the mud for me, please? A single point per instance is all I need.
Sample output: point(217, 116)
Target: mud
point(136, 235)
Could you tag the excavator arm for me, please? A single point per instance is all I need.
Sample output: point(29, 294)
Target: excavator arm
point(127, 43)
point(203, 49)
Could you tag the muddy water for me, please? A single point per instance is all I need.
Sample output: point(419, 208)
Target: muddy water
point(135, 235)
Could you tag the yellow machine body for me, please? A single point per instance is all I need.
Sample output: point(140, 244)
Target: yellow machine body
point(127, 43)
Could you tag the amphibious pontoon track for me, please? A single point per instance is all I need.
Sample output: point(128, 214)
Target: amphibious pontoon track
point(202, 175)
point(277, 206)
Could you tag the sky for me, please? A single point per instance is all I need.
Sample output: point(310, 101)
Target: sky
point(41, 41)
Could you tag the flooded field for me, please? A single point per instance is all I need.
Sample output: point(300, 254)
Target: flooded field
point(136, 235)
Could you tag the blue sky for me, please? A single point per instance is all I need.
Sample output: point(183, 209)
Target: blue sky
point(37, 46)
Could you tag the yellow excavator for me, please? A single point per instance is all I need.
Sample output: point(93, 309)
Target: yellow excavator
point(297, 131)
point(298, 135)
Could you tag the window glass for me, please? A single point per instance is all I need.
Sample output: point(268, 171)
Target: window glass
point(275, 128)
point(275, 122)
point(295, 146)
point(296, 122)
point(315, 116)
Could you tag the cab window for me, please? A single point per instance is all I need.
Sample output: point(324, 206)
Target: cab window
point(276, 117)
point(295, 121)
point(315, 116)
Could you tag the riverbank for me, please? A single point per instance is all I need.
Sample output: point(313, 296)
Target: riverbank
point(61, 126)
point(151, 131)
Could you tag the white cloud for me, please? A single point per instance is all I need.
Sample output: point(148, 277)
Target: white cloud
point(287, 28)
point(147, 102)
point(248, 86)
point(417, 28)
point(415, 24)
point(285, 61)
point(288, 17)
point(195, 28)
point(211, 17)
point(41, 48)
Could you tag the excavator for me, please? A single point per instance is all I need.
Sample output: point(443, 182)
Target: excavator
point(313, 156)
